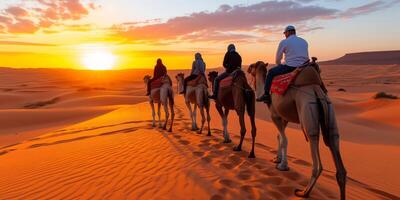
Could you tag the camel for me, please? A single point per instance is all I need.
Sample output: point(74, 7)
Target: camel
point(163, 96)
point(305, 102)
point(237, 96)
point(196, 94)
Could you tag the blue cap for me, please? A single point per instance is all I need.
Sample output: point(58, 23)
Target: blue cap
point(289, 28)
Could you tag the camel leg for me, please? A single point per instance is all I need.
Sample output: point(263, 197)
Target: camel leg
point(208, 119)
point(281, 126)
point(153, 114)
point(159, 115)
point(225, 124)
point(164, 102)
point(253, 134)
point(242, 130)
point(203, 118)
point(341, 173)
point(309, 119)
point(281, 158)
point(165, 105)
point(190, 112)
point(172, 116)
point(195, 128)
point(317, 167)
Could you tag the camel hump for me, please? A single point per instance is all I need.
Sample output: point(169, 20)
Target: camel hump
point(308, 76)
point(200, 80)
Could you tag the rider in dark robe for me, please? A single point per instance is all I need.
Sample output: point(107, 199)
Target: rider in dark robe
point(159, 71)
point(198, 69)
point(232, 62)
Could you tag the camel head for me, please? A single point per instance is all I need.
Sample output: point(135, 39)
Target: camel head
point(258, 67)
point(258, 72)
point(180, 79)
point(212, 75)
point(146, 79)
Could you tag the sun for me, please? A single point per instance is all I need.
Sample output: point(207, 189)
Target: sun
point(99, 60)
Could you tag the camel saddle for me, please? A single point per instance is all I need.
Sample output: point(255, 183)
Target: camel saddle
point(302, 76)
point(228, 81)
point(158, 83)
point(155, 84)
point(226, 86)
point(201, 79)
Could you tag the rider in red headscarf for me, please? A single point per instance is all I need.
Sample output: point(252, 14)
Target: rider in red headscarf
point(159, 71)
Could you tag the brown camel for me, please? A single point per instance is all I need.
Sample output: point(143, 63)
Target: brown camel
point(163, 96)
point(305, 102)
point(238, 96)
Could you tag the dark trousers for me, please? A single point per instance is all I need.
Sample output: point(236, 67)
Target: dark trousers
point(217, 80)
point(187, 79)
point(276, 71)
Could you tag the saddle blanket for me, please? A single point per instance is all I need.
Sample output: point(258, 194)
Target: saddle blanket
point(199, 80)
point(281, 83)
point(226, 82)
point(157, 83)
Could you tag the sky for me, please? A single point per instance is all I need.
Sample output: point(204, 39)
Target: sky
point(122, 34)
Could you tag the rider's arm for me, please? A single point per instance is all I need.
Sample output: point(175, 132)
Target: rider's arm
point(225, 64)
point(279, 53)
point(203, 69)
point(193, 67)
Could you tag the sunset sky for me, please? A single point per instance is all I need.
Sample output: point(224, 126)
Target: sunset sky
point(134, 33)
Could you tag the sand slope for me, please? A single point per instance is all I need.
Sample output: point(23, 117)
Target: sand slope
point(119, 156)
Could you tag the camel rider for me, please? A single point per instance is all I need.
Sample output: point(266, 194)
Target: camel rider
point(232, 61)
point(296, 55)
point(198, 69)
point(159, 71)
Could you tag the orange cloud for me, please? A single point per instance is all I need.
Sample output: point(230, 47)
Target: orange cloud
point(25, 43)
point(45, 14)
point(222, 23)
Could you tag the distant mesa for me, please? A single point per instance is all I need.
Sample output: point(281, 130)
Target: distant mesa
point(367, 58)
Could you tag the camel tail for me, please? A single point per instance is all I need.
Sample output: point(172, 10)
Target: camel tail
point(324, 111)
point(250, 102)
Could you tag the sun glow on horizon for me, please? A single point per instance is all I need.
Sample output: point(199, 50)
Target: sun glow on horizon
point(98, 59)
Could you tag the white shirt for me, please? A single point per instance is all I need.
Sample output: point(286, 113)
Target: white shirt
point(295, 50)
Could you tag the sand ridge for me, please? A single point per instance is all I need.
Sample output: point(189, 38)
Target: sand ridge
point(120, 156)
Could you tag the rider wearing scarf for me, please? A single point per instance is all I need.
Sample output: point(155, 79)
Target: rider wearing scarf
point(159, 71)
point(198, 68)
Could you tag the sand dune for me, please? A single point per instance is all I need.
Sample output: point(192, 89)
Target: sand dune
point(70, 134)
point(118, 155)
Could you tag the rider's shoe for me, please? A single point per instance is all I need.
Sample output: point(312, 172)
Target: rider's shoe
point(264, 98)
point(213, 97)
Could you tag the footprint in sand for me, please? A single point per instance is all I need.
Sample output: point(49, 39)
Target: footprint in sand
point(198, 153)
point(247, 189)
point(272, 180)
point(206, 159)
point(244, 175)
point(227, 165)
point(302, 162)
point(216, 197)
point(184, 142)
point(269, 172)
point(227, 182)
point(292, 175)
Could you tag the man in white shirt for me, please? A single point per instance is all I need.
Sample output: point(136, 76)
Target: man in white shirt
point(296, 55)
